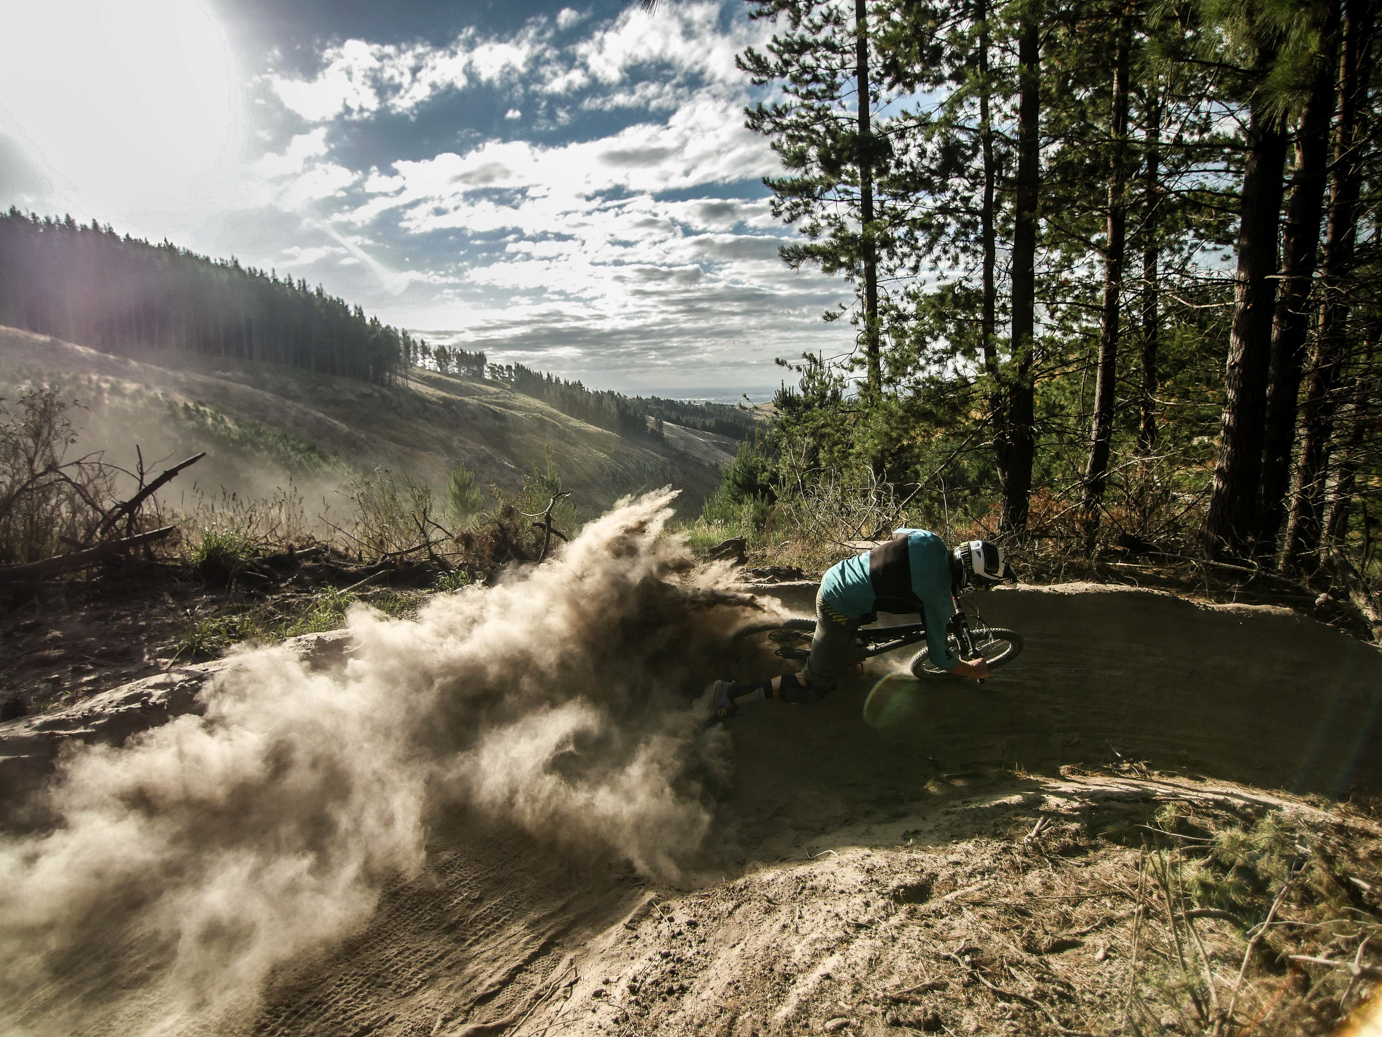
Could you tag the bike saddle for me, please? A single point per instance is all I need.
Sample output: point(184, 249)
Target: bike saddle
point(900, 606)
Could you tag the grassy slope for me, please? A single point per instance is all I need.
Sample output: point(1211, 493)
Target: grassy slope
point(283, 421)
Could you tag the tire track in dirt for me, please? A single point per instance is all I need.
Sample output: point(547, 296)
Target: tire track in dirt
point(1244, 693)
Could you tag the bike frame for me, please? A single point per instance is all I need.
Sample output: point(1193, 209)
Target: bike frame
point(877, 640)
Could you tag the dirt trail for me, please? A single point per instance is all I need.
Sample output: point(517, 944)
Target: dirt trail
point(1248, 693)
point(842, 858)
point(794, 910)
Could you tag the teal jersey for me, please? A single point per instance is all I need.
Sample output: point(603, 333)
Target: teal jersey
point(848, 588)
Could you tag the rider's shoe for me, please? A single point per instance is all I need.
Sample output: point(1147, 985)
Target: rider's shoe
point(724, 706)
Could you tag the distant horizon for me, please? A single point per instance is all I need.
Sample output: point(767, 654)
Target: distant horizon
point(728, 394)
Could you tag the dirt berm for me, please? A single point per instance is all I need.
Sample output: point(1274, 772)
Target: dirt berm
point(503, 818)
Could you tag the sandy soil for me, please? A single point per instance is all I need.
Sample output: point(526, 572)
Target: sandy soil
point(849, 861)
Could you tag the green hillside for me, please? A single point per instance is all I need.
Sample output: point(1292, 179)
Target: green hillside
point(264, 425)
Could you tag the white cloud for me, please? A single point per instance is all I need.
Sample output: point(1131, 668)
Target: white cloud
point(360, 79)
point(347, 83)
point(650, 95)
point(297, 255)
point(560, 230)
point(703, 143)
point(687, 37)
point(300, 150)
point(322, 181)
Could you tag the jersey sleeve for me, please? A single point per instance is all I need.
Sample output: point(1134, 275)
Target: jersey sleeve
point(931, 583)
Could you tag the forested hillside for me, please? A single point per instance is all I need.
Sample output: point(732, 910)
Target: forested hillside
point(270, 430)
point(127, 297)
point(1115, 263)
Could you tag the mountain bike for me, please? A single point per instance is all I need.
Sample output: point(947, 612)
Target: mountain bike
point(968, 636)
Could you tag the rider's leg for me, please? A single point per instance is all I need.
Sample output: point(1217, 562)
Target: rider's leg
point(832, 653)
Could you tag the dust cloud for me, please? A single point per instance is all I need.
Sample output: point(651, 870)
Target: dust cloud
point(190, 863)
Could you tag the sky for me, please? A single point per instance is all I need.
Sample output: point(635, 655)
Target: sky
point(570, 187)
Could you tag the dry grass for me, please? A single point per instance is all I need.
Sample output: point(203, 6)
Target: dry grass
point(1116, 903)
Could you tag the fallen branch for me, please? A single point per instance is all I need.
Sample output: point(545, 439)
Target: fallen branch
point(1213, 912)
point(132, 505)
point(361, 583)
point(77, 559)
point(1358, 969)
point(1253, 942)
point(546, 524)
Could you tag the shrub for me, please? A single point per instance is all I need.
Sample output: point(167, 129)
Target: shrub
point(393, 517)
point(464, 499)
point(219, 554)
point(48, 503)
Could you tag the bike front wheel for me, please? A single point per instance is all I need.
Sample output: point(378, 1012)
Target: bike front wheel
point(786, 638)
point(997, 645)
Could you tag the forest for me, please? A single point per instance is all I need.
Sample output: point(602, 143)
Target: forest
point(623, 414)
point(1115, 272)
point(120, 295)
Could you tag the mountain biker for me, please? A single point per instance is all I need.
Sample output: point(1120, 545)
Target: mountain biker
point(914, 571)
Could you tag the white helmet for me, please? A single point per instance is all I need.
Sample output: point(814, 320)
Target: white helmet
point(979, 563)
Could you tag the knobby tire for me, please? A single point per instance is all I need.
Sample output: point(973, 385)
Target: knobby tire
point(787, 633)
point(998, 645)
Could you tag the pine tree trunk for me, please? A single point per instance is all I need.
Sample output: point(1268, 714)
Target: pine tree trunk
point(1101, 432)
point(1300, 241)
point(1151, 276)
point(1234, 512)
point(1331, 346)
point(865, 160)
point(1021, 392)
point(1351, 452)
point(988, 315)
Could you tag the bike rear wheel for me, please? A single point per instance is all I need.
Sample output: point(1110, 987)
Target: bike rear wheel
point(997, 645)
point(786, 638)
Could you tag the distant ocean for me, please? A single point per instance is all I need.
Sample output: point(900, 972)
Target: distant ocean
point(730, 394)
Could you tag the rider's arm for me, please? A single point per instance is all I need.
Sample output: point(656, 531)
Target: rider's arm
point(930, 560)
point(941, 655)
point(938, 647)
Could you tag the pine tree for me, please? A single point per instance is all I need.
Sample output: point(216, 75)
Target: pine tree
point(1300, 244)
point(1234, 515)
point(824, 131)
point(1330, 353)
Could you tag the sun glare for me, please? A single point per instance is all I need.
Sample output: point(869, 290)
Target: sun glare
point(124, 106)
